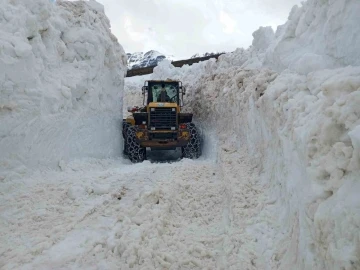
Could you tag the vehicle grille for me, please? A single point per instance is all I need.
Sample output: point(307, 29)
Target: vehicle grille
point(163, 118)
point(163, 136)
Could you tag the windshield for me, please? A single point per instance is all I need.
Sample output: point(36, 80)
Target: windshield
point(164, 93)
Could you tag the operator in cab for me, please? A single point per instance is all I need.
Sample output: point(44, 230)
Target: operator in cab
point(163, 95)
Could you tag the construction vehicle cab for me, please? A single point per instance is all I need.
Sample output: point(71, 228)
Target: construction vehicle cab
point(159, 124)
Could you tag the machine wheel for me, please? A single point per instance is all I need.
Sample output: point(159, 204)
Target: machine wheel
point(134, 151)
point(193, 149)
point(125, 126)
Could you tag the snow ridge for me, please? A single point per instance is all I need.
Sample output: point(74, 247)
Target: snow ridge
point(319, 35)
point(62, 75)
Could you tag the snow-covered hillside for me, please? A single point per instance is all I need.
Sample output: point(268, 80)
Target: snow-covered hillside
point(203, 54)
point(148, 59)
point(62, 75)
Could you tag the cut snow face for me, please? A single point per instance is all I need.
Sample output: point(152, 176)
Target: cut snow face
point(61, 84)
point(319, 35)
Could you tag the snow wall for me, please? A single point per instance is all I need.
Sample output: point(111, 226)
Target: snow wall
point(62, 77)
point(292, 99)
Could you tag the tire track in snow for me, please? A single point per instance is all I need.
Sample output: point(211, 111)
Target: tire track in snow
point(177, 225)
point(243, 198)
point(183, 215)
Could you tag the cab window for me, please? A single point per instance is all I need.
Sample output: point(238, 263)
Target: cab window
point(171, 92)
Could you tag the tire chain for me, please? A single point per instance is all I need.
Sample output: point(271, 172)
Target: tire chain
point(193, 148)
point(125, 126)
point(135, 152)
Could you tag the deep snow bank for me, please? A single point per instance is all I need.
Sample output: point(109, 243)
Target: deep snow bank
point(317, 35)
point(61, 84)
point(320, 34)
point(303, 131)
point(293, 100)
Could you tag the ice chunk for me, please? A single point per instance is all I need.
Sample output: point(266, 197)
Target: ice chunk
point(101, 189)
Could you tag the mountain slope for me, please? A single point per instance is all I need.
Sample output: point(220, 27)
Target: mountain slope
point(148, 59)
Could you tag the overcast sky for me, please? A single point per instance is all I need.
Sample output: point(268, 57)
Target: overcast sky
point(185, 27)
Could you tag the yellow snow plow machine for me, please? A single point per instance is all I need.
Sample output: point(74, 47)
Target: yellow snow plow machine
point(159, 124)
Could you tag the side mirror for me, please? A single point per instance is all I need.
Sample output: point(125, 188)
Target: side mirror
point(184, 91)
point(144, 89)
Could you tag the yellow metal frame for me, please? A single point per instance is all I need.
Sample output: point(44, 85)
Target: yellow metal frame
point(130, 119)
point(163, 105)
point(143, 139)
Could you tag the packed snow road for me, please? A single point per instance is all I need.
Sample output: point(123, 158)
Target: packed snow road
point(109, 215)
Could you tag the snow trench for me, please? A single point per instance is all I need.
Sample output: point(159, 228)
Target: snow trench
point(291, 102)
point(298, 134)
point(277, 185)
